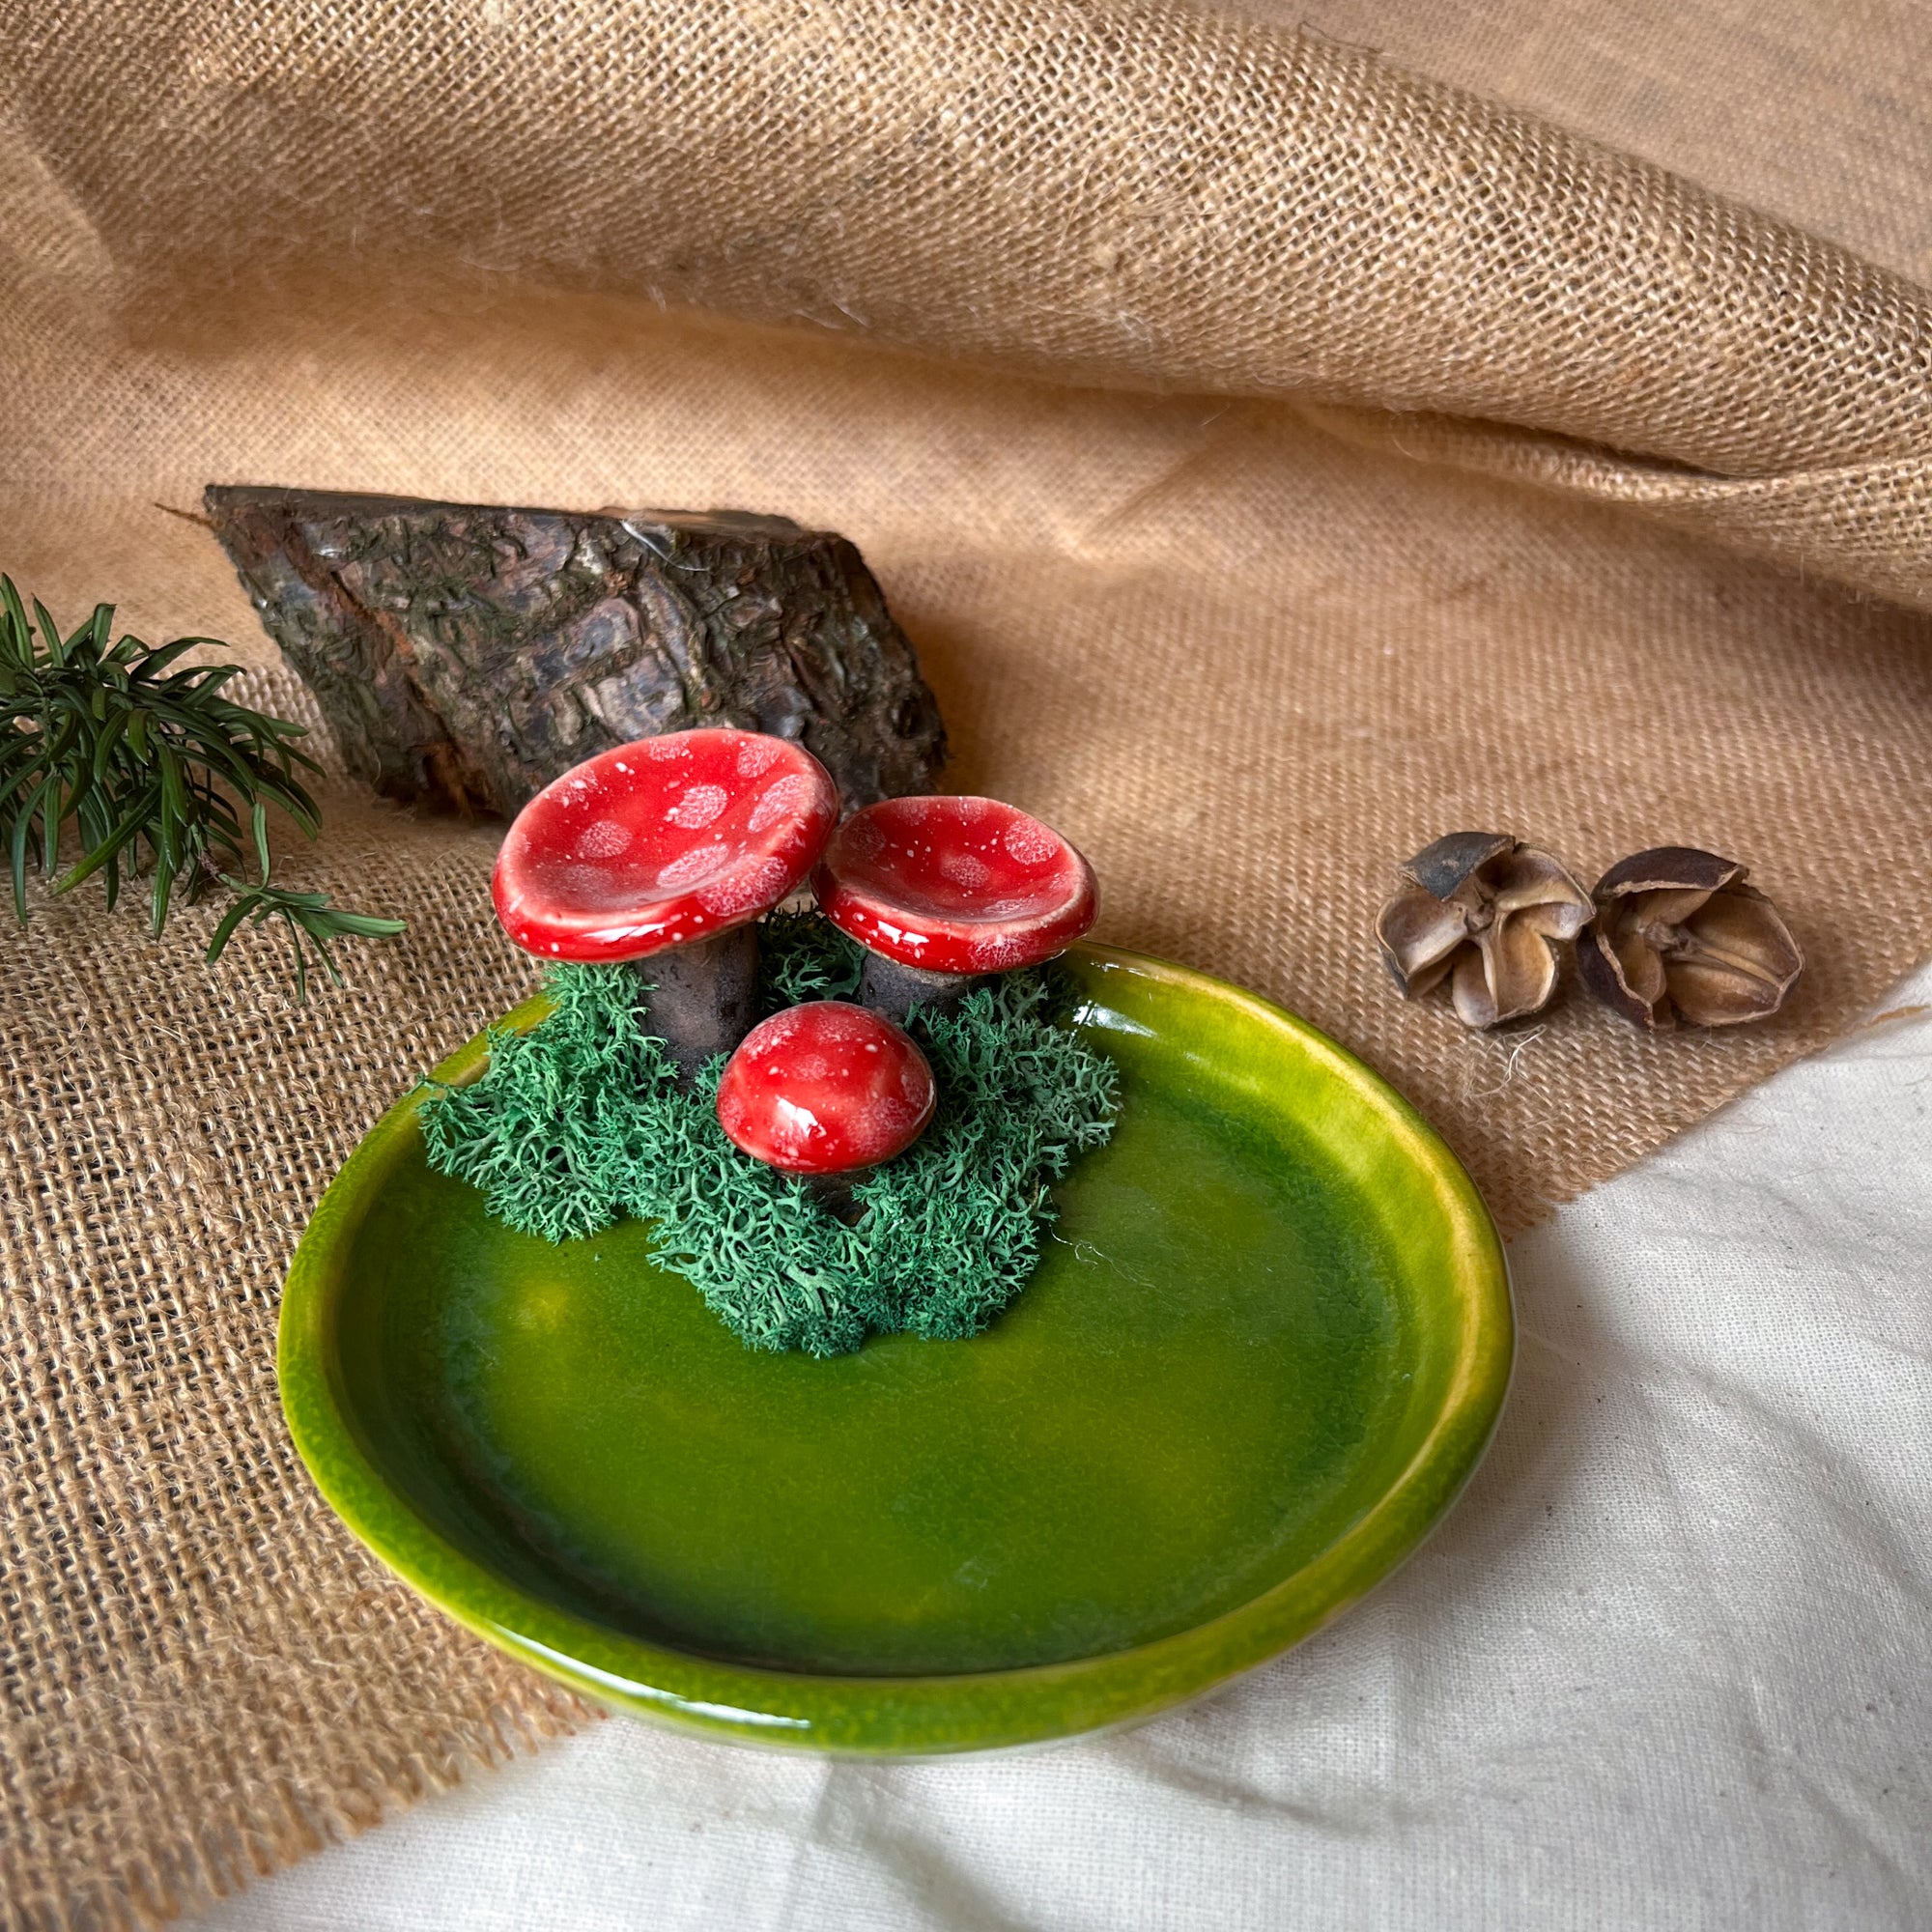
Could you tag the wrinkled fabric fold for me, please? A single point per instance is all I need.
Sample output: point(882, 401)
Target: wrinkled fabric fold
point(1153, 197)
point(1867, 525)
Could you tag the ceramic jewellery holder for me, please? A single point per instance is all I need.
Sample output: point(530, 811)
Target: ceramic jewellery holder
point(1265, 1346)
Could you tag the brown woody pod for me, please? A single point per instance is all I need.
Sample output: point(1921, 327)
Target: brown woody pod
point(1679, 934)
point(1488, 914)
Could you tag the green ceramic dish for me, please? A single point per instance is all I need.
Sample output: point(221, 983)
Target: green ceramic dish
point(1264, 1351)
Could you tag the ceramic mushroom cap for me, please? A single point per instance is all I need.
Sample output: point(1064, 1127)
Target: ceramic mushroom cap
point(662, 843)
point(955, 885)
point(825, 1087)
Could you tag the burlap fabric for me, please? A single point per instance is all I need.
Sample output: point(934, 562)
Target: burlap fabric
point(1179, 578)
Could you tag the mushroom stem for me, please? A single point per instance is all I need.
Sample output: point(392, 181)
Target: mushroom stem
point(834, 1193)
point(893, 989)
point(701, 998)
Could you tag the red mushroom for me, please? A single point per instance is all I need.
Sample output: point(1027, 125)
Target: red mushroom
point(940, 891)
point(673, 842)
point(824, 1088)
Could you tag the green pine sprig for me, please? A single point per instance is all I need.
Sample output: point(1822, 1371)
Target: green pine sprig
point(154, 770)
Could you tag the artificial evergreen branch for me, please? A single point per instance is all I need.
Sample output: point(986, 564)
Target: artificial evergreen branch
point(153, 769)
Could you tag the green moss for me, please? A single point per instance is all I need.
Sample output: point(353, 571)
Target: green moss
point(580, 1122)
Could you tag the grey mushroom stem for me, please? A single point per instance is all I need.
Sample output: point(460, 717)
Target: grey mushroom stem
point(893, 989)
point(834, 1193)
point(701, 998)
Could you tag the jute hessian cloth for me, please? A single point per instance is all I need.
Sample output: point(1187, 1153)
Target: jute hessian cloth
point(1245, 431)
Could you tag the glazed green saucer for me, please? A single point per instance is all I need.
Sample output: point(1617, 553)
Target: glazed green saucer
point(1265, 1347)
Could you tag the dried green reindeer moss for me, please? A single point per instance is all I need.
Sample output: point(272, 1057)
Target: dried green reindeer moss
point(579, 1122)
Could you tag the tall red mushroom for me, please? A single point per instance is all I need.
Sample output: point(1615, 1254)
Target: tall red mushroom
point(941, 891)
point(665, 851)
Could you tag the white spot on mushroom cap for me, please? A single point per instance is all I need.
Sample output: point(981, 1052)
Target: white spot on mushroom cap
point(752, 884)
point(776, 1032)
point(784, 798)
point(663, 748)
point(1001, 950)
point(964, 871)
point(837, 1021)
point(585, 882)
point(691, 868)
point(1031, 843)
point(756, 755)
point(698, 807)
point(862, 838)
point(605, 838)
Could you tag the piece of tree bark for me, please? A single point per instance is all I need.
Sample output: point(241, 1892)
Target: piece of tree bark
point(468, 654)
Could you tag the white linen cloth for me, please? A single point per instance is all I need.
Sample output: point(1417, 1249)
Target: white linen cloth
point(1664, 1665)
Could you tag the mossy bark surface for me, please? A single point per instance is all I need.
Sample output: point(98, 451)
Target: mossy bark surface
point(468, 654)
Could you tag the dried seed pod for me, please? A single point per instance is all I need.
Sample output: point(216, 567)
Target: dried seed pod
point(1678, 933)
point(1488, 914)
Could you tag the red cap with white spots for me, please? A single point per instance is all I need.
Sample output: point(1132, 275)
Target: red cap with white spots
point(825, 1087)
point(660, 843)
point(955, 885)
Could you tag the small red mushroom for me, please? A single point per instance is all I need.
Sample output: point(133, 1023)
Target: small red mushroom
point(673, 842)
point(942, 890)
point(824, 1088)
